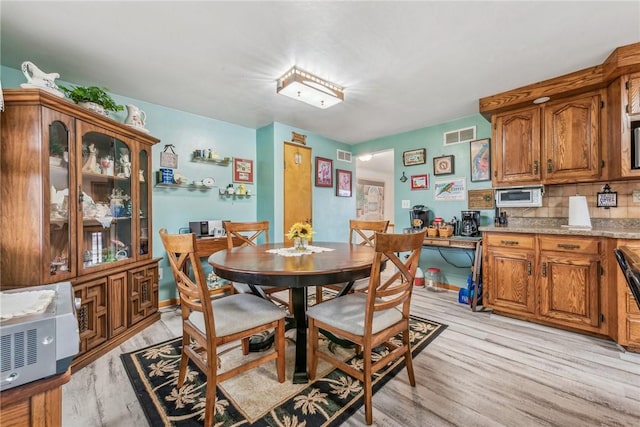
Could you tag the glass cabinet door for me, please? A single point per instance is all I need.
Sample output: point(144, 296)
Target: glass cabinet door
point(58, 132)
point(145, 206)
point(105, 200)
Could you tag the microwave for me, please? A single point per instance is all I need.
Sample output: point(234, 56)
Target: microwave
point(519, 197)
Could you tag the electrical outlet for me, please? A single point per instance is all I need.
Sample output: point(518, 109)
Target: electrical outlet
point(636, 196)
point(406, 204)
point(160, 270)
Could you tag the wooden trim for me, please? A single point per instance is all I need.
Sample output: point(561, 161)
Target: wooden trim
point(622, 60)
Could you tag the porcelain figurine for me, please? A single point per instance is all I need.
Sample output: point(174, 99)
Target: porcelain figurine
point(36, 78)
point(91, 165)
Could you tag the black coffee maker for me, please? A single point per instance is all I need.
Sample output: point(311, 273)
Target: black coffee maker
point(419, 217)
point(470, 223)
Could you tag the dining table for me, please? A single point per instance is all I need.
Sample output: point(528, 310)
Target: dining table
point(279, 265)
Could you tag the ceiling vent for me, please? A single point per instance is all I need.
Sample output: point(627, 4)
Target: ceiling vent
point(344, 156)
point(460, 135)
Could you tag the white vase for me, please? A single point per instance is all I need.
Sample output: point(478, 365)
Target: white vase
point(94, 107)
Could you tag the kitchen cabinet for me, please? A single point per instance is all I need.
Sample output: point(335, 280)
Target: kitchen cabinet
point(570, 281)
point(508, 272)
point(627, 332)
point(560, 286)
point(633, 94)
point(76, 193)
point(624, 117)
point(551, 143)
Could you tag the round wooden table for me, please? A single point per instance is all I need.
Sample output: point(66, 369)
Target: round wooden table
point(253, 265)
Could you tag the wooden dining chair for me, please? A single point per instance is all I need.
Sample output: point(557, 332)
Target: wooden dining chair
point(250, 233)
point(373, 318)
point(361, 232)
point(208, 323)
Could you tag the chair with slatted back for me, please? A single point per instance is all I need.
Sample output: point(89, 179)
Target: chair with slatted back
point(373, 318)
point(362, 232)
point(249, 233)
point(209, 323)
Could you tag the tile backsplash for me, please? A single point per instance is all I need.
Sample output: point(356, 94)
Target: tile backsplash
point(555, 201)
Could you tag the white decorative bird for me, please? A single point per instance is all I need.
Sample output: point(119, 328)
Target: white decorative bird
point(36, 78)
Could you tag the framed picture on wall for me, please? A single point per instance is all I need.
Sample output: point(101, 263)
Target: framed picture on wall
point(414, 157)
point(480, 160)
point(443, 165)
point(420, 182)
point(343, 183)
point(324, 172)
point(242, 170)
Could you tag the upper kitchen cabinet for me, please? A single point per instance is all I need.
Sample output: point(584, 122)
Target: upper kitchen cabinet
point(624, 132)
point(578, 127)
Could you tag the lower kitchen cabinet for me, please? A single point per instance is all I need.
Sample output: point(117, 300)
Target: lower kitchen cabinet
point(546, 278)
point(627, 332)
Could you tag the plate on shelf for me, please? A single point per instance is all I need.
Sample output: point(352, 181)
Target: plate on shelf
point(179, 178)
point(209, 182)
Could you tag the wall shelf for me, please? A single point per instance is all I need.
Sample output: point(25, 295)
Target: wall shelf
point(187, 186)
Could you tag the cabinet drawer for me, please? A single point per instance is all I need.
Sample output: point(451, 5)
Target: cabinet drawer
point(570, 244)
point(510, 240)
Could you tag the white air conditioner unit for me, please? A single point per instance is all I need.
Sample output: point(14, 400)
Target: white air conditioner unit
point(460, 135)
point(344, 156)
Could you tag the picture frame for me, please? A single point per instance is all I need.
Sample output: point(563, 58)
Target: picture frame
point(607, 198)
point(414, 157)
point(420, 182)
point(343, 183)
point(324, 172)
point(242, 170)
point(480, 159)
point(443, 165)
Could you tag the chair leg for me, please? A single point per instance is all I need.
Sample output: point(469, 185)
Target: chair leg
point(408, 359)
point(184, 361)
point(368, 388)
point(210, 400)
point(312, 356)
point(280, 349)
point(318, 294)
point(245, 346)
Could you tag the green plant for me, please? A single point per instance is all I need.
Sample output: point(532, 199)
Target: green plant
point(91, 94)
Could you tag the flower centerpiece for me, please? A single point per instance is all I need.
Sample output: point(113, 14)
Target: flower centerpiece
point(300, 233)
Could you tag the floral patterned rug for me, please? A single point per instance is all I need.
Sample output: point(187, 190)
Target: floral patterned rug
point(256, 398)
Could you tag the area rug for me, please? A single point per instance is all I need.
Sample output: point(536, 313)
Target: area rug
point(256, 398)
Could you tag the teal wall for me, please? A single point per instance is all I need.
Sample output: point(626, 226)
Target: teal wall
point(174, 208)
point(431, 138)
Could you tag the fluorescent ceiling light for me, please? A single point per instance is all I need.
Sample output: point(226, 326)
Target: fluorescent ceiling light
point(365, 157)
point(303, 86)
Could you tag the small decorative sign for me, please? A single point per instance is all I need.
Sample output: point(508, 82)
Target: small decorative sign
point(242, 170)
point(299, 138)
point(481, 199)
point(420, 182)
point(414, 157)
point(450, 189)
point(607, 198)
point(443, 165)
point(343, 183)
point(168, 159)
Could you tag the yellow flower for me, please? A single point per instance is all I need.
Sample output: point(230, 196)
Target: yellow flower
point(300, 229)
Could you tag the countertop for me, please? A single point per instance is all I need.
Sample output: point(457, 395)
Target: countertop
point(617, 229)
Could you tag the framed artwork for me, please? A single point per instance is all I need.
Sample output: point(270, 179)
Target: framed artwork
point(324, 172)
point(450, 189)
point(242, 170)
point(443, 165)
point(419, 182)
point(343, 183)
point(480, 160)
point(607, 198)
point(414, 157)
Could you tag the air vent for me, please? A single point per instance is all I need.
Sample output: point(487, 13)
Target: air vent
point(19, 349)
point(460, 135)
point(344, 156)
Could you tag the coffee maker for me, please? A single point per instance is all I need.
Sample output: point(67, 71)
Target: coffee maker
point(470, 223)
point(419, 217)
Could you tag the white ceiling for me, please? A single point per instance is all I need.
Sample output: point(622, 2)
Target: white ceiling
point(404, 65)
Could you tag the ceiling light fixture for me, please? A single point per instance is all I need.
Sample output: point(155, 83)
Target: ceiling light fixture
point(365, 157)
point(304, 86)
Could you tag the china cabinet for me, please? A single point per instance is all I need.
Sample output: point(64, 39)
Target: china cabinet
point(76, 193)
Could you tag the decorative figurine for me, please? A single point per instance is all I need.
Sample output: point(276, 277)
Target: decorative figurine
point(135, 116)
point(36, 78)
point(91, 165)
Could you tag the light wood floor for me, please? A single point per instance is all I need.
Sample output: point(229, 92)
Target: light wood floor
point(484, 370)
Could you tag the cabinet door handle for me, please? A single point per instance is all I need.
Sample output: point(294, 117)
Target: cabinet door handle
point(544, 269)
point(509, 242)
point(80, 198)
point(536, 166)
point(568, 246)
point(549, 166)
point(529, 268)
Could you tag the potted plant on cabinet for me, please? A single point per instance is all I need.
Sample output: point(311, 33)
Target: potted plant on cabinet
point(92, 97)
